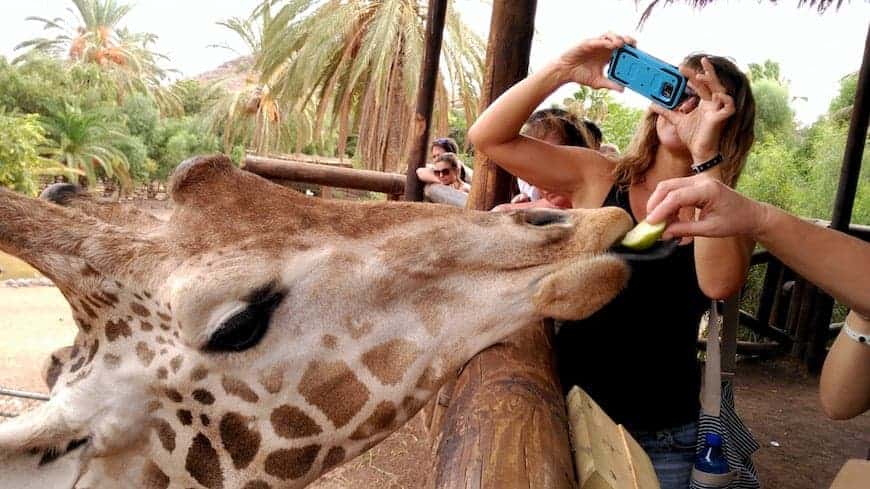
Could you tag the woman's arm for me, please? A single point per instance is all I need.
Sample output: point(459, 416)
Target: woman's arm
point(426, 175)
point(496, 132)
point(836, 262)
point(844, 387)
point(722, 264)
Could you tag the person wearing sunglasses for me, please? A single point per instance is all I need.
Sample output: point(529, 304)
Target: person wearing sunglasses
point(439, 147)
point(637, 357)
point(446, 170)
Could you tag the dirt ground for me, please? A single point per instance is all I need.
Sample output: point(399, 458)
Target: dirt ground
point(800, 448)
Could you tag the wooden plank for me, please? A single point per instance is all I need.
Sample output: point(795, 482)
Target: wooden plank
point(756, 326)
point(606, 455)
point(854, 475)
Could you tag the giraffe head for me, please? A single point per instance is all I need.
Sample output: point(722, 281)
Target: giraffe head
point(260, 337)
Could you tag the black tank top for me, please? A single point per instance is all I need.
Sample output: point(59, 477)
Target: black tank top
point(637, 356)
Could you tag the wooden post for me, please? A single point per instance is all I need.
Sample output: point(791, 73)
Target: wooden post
point(506, 426)
point(843, 203)
point(425, 98)
point(768, 292)
point(507, 62)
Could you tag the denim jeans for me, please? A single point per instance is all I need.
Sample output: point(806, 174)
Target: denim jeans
point(672, 452)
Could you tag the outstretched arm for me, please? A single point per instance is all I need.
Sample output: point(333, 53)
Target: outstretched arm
point(836, 262)
point(496, 132)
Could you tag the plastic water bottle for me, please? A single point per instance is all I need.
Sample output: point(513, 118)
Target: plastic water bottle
point(711, 460)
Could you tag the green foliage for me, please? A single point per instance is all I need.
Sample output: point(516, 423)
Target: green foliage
point(193, 97)
point(175, 140)
point(773, 115)
point(87, 142)
point(21, 137)
point(841, 106)
point(769, 70)
point(621, 123)
point(141, 115)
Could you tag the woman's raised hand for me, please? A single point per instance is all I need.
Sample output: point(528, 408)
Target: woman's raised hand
point(700, 127)
point(585, 62)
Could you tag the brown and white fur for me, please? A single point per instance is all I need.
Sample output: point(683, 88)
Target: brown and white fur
point(346, 316)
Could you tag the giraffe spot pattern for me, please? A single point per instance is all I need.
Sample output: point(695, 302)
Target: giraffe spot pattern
point(411, 405)
point(291, 463)
point(427, 381)
point(165, 433)
point(184, 416)
point(238, 388)
point(241, 442)
point(199, 372)
point(162, 373)
point(330, 341)
point(53, 372)
point(145, 326)
point(145, 354)
point(380, 420)
point(272, 380)
point(204, 420)
point(164, 316)
point(111, 361)
point(116, 329)
point(93, 350)
point(334, 457)
point(153, 477)
point(203, 464)
point(334, 388)
point(174, 395)
point(139, 309)
point(203, 396)
point(175, 363)
point(389, 361)
point(257, 484)
point(291, 422)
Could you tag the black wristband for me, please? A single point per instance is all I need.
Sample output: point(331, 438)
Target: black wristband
point(702, 167)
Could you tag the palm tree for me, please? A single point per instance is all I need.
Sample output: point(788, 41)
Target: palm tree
point(335, 68)
point(93, 35)
point(87, 143)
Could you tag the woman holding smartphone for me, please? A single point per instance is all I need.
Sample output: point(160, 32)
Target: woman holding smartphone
point(637, 356)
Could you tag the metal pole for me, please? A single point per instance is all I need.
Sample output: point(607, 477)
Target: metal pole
point(425, 98)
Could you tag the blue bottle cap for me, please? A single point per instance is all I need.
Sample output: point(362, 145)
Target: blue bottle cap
point(713, 439)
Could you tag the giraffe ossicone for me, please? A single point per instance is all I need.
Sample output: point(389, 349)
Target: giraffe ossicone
point(259, 337)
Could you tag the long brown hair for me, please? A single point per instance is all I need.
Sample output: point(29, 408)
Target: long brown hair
point(559, 123)
point(738, 134)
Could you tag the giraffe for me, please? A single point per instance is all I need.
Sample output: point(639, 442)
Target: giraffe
point(259, 337)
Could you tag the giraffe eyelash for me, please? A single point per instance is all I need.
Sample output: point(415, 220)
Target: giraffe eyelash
point(244, 329)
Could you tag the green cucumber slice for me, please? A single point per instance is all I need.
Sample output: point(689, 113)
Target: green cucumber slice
point(643, 235)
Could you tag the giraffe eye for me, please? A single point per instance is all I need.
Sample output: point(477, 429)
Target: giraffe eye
point(247, 327)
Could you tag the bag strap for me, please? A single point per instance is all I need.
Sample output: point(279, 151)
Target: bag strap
point(711, 393)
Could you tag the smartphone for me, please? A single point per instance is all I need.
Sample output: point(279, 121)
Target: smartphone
point(647, 75)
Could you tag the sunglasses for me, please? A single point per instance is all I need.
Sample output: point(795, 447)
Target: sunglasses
point(443, 172)
point(442, 141)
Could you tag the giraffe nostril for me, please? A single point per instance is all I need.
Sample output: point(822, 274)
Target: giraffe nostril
point(540, 217)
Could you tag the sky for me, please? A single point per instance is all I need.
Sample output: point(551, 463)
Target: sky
point(814, 50)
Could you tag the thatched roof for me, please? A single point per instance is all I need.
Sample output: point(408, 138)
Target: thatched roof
point(819, 5)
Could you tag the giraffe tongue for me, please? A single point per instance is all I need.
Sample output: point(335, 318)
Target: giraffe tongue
point(659, 250)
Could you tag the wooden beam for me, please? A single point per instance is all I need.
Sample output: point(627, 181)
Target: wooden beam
point(375, 181)
point(425, 98)
point(507, 62)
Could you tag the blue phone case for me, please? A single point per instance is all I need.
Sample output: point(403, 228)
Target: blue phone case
point(647, 75)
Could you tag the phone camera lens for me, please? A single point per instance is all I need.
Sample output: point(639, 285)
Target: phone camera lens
point(667, 90)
